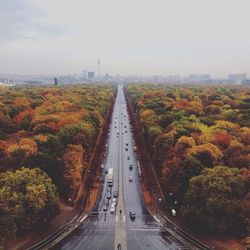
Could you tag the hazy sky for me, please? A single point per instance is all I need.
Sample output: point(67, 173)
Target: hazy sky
point(132, 36)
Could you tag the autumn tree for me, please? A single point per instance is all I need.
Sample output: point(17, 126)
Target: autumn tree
point(28, 198)
point(74, 166)
point(213, 201)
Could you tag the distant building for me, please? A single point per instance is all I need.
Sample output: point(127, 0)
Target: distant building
point(237, 78)
point(85, 74)
point(246, 82)
point(199, 77)
point(91, 75)
point(55, 81)
point(33, 82)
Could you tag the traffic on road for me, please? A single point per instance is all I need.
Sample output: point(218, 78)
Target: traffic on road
point(122, 220)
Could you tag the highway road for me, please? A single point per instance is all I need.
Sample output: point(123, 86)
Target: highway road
point(103, 230)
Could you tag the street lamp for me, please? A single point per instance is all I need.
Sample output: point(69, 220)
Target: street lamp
point(159, 203)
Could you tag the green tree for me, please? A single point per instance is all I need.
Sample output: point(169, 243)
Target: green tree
point(213, 201)
point(28, 198)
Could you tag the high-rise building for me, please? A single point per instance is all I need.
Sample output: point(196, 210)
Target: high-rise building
point(85, 74)
point(199, 77)
point(55, 81)
point(237, 78)
point(91, 75)
point(246, 82)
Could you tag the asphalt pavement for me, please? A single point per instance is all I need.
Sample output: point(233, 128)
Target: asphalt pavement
point(104, 230)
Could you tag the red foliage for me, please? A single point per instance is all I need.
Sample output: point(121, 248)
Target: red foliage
point(222, 140)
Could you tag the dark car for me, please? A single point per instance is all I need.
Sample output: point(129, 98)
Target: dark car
point(132, 215)
point(105, 208)
point(115, 194)
point(130, 167)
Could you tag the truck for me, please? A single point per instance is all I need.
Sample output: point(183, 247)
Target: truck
point(110, 177)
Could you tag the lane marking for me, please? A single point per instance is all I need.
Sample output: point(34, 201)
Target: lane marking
point(124, 218)
point(101, 243)
point(146, 229)
point(139, 242)
point(116, 218)
point(83, 218)
point(156, 219)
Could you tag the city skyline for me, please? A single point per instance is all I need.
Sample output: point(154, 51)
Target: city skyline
point(131, 37)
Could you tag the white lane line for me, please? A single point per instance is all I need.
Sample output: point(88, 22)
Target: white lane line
point(83, 218)
point(139, 243)
point(146, 229)
point(156, 219)
point(116, 218)
point(101, 243)
point(124, 218)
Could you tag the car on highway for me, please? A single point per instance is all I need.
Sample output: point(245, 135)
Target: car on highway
point(130, 178)
point(126, 144)
point(108, 195)
point(114, 201)
point(126, 149)
point(112, 208)
point(128, 157)
point(105, 208)
point(106, 171)
point(115, 194)
point(173, 211)
point(132, 215)
point(107, 202)
point(130, 166)
point(102, 167)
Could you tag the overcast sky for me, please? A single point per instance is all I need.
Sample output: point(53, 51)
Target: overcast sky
point(142, 37)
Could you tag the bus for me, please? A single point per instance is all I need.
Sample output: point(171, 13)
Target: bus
point(110, 177)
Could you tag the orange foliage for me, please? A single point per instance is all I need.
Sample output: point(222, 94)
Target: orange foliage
point(223, 140)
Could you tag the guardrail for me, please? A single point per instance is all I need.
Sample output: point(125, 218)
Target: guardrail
point(182, 233)
point(63, 231)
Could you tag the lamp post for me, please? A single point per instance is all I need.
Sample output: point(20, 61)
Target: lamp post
point(159, 203)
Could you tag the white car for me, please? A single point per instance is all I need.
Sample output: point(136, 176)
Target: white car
point(173, 212)
point(114, 201)
point(112, 208)
point(130, 178)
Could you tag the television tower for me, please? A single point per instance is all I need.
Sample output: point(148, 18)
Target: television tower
point(99, 67)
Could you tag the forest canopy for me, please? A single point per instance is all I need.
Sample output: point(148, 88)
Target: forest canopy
point(52, 131)
point(199, 140)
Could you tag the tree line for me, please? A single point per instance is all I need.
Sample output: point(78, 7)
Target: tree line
point(47, 137)
point(199, 140)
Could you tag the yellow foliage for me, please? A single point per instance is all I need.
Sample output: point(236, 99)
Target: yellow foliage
point(41, 138)
point(22, 102)
point(27, 145)
point(12, 148)
point(245, 135)
point(229, 126)
point(210, 149)
point(184, 143)
point(74, 165)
